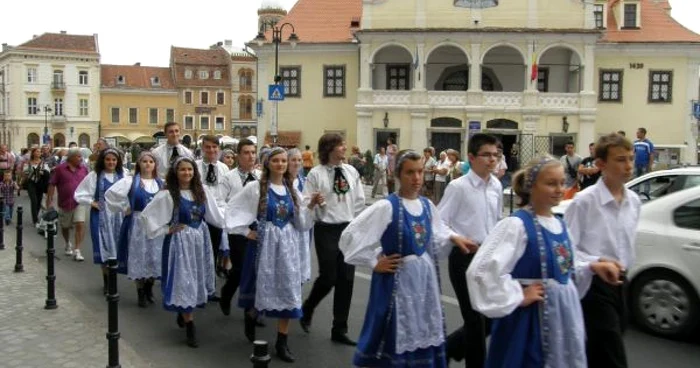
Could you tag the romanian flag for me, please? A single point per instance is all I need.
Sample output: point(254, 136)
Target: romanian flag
point(533, 73)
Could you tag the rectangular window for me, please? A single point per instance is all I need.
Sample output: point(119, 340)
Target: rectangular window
point(58, 79)
point(133, 115)
point(204, 98)
point(334, 81)
point(83, 107)
point(153, 116)
point(31, 75)
point(32, 107)
point(397, 77)
point(630, 16)
point(660, 86)
point(291, 80)
point(245, 105)
point(58, 106)
point(543, 79)
point(188, 97)
point(219, 123)
point(220, 98)
point(83, 78)
point(598, 11)
point(610, 86)
point(115, 115)
point(189, 122)
point(204, 122)
point(169, 115)
point(203, 74)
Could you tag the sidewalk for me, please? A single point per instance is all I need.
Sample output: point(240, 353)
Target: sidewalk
point(30, 336)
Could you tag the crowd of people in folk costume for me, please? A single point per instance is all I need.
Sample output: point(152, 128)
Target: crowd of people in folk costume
point(548, 290)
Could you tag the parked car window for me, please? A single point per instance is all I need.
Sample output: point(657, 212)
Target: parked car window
point(691, 181)
point(688, 215)
point(655, 187)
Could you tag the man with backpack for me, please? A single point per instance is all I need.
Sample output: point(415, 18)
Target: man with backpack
point(571, 161)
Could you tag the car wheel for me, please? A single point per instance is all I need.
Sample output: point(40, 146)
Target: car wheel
point(665, 304)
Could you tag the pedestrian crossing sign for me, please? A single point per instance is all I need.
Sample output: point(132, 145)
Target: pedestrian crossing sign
point(276, 92)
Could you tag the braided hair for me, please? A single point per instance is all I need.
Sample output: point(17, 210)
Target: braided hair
point(287, 180)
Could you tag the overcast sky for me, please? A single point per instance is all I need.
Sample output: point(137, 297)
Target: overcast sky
point(143, 30)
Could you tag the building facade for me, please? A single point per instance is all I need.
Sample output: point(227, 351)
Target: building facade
point(534, 72)
point(203, 82)
point(136, 102)
point(244, 95)
point(50, 91)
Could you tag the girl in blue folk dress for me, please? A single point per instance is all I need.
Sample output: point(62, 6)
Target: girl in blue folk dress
point(104, 225)
point(404, 322)
point(296, 172)
point(275, 204)
point(187, 274)
point(525, 276)
point(139, 257)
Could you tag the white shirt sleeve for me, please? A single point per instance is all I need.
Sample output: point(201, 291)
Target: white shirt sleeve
point(575, 218)
point(157, 215)
point(117, 196)
point(242, 210)
point(212, 214)
point(359, 239)
point(359, 193)
point(303, 220)
point(441, 233)
point(492, 290)
point(448, 205)
point(310, 187)
point(85, 193)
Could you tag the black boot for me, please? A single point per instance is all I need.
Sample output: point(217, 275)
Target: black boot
point(282, 349)
point(141, 292)
point(305, 320)
point(105, 282)
point(249, 325)
point(180, 320)
point(148, 288)
point(191, 335)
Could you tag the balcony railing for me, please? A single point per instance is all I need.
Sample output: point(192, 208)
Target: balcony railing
point(559, 100)
point(391, 97)
point(447, 98)
point(490, 99)
point(503, 99)
point(58, 86)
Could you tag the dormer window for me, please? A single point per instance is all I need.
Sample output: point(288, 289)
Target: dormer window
point(599, 15)
point(217, 74)
point(203, 74)
point(155, 81)
point(188, 74)
point(121, 80)
point(631, 16)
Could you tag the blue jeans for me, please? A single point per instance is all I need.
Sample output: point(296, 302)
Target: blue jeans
point(639, 171)
point(8, 212)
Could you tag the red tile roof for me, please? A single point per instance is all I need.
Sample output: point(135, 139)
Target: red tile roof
point(322, 21)
point(656, 25)
point(183, 59)
point(62, 42)
point(216, 56)
point(136, 76)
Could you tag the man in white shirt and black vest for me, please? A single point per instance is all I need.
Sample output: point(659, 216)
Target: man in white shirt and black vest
point(471, 206)
point(602, 224)
point(171, 150)
point(344, 198)
point(236, 179)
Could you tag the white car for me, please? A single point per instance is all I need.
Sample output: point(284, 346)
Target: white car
point(664, 288)
point(654, 185)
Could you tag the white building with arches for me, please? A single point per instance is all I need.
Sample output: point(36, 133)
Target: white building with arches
point(536, 73)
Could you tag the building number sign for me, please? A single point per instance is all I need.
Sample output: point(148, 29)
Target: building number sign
point(636, 65)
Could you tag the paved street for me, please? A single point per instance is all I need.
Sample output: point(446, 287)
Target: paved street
point(73, 335)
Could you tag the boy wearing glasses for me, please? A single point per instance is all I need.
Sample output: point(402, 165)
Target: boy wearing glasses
point(471, 206)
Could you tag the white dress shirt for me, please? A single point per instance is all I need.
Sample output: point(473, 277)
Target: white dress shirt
point(235, 179)
point(601, 227)
point(338, 209)
point(222, 187)
point(472, 206)
point(163, 154)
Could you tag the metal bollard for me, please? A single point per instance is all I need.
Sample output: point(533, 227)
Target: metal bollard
point(260, 357)
point(2, 223)
point(50, 270)
point(112, 315)
point(19, 267)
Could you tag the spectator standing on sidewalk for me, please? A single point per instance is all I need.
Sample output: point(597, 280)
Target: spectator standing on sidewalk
point(441, 171)
point(589, 172)
point(308, 159)
point(571, 161)
point(7, 159)
point(391, 151)
point(643, 156)
point(381, 164)
point(36, 174)
point(65, 179)
point(8, 188)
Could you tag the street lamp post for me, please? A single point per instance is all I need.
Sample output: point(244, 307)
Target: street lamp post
point(47, 110)
point(276, 39)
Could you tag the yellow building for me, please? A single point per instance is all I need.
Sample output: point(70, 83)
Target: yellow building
point(536, 73)
point(244, 95)
point(136, 102)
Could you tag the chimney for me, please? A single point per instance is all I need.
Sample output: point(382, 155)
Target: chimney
point(138, 63)
point(63, 32)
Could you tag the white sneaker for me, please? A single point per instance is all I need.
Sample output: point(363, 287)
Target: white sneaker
point(77, 256)
point(69, 249)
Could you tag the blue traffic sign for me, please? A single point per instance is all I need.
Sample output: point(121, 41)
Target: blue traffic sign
point(275, 92)
point(696, 109)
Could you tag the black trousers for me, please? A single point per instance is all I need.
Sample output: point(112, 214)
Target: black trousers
point(35, 196)
point(333, 272)
point(237, 245)
point(468, 342)
point(215, 235)
point(605, 315)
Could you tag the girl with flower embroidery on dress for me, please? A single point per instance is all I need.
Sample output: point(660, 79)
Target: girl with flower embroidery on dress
point(139, 257)
point(104, 225)
point(526, 277)
point(295, 171)
point(275, 204)
point(187, 274)
point(404, 322)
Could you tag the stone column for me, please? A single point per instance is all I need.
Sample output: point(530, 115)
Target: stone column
point(365, 67)
point(419, 130)
point(419, 71)
point(364, 129)
point(586, 134)
point(475, 68)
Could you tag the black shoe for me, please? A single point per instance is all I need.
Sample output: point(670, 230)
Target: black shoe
point(180, 320)
point(213, 298)
point(260, 321)
point(342, 338)
point(148, 289)
point(225, 302)
point(141, 297)
point(249, 328)
point(305, 320)
point(191, 335)
point(282, 349)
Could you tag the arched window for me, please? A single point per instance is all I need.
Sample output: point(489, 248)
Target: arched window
point(84, 140)
point(457, 81)
point(246, 79)
point(245, 105)
point(59, 140)
point(32, 139)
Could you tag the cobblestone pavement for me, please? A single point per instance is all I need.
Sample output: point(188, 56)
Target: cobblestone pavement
point(30, 336)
